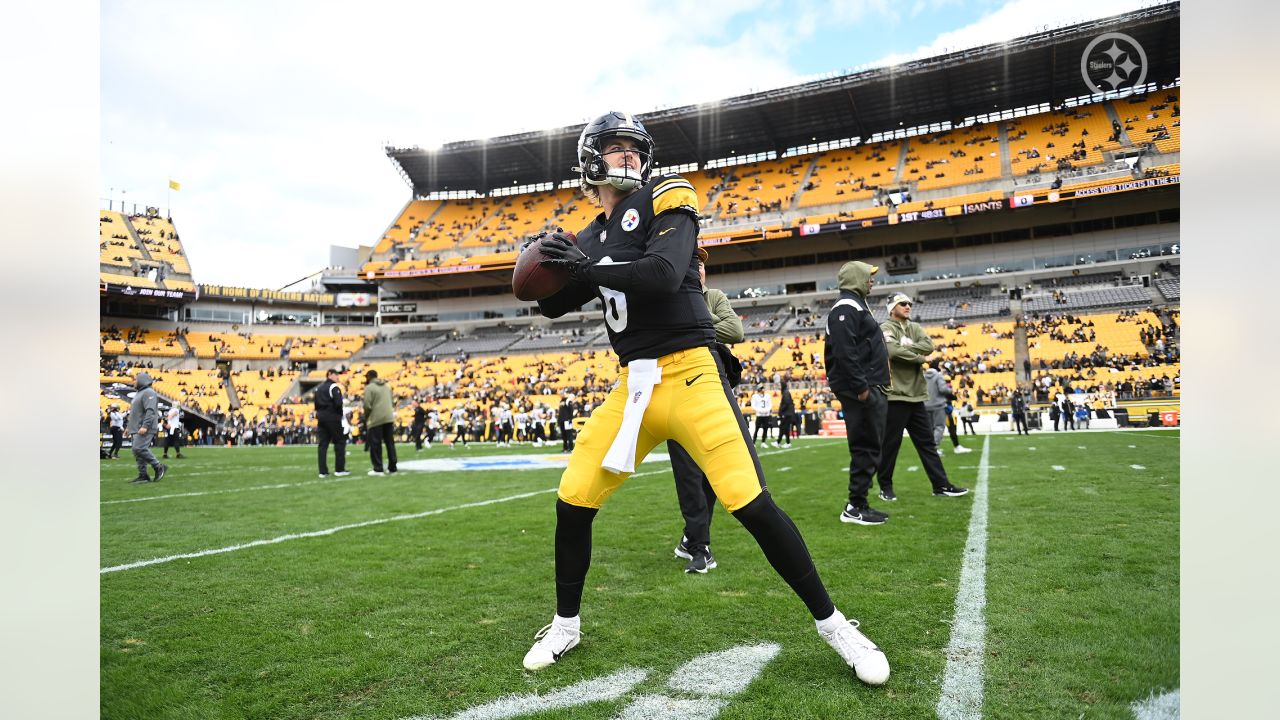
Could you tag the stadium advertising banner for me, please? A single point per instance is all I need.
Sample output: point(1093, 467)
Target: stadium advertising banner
point(423, 272)
point(398, 308)
point(1042, 197)
point(260, 294)
point(348, 299)
point(133, 291)
point(903, 218)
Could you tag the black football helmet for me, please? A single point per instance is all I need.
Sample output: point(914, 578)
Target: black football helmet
point(591, 160)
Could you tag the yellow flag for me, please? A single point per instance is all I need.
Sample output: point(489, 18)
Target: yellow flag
point(174, 185)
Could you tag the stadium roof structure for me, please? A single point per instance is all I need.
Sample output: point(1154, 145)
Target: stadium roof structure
point(1027, 71)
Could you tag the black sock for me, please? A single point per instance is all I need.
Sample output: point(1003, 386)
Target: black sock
point(780, 540)
point(573, 555)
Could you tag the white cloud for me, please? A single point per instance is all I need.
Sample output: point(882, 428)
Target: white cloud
point(1013, 19)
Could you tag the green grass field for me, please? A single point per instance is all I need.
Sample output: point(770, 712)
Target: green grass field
point(431, 615)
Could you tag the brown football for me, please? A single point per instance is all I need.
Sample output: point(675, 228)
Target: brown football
point(530, 280)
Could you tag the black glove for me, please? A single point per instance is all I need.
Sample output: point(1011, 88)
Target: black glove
point(559, 251)
point(532, 239)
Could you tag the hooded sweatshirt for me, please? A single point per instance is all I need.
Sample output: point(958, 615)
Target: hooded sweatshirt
point(908, 345)
point(144, 412)
point(377, 403)
point(939, 389)
point(854, 351)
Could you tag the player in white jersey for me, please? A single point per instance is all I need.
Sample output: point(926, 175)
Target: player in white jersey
point(522, 426)
point(173, 431)
point(539, 418)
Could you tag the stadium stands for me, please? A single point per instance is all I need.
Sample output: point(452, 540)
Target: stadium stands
point(259, 390)
point(851, 174)
point(953, 157)
point(408, 344)
point(404, 231)
point(1154, 118)
point(138, 341)
point(760, 187)
point(1125, 295)
point(1169, 288)
point(1060, 139)
point(765, 319)
point(325, 347)
point(115, 244)
point(564, 336)
point(161, 240)
point(142, 251)
point(237, 345)
point(199, 389)
point(455, 222)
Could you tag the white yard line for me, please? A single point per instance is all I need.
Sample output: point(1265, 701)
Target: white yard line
point(1163, 707)
point(180, 471)
point(601, 689)
point(318, 533)
point(235, 490)
point(1138, 467)
point(962, 682)
point(1059, 468)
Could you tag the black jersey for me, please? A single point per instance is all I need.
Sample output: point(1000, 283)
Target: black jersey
point(645, 272)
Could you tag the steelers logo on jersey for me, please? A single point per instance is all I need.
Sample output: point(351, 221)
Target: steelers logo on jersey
point(630, 220)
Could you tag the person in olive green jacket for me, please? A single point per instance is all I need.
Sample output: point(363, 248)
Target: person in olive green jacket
point(693, 490)
point(379, 422)
point(909, 348)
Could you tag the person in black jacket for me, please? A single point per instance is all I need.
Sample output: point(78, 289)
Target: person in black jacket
point(329, 424)
point(1019, 413)
point(787, 420)
point(564, 417)
point(419, 425)
point(857, 363)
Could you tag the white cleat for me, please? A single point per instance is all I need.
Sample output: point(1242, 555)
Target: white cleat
point(868, 661)
point(553, 641)
point(960, 450)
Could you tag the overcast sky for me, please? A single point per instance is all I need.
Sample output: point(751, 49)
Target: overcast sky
point(273, 115)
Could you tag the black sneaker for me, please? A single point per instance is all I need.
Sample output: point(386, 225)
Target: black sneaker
point(888, 496)
point(702, 562)
point(862, 516)
point(140, 479)
point(160, 471)
point(950, 491)
point(682, 550)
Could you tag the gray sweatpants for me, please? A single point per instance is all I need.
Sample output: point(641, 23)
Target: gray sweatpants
point(142, 452)
point(938, 418)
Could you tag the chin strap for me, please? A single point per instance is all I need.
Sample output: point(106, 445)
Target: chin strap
point(623, 179)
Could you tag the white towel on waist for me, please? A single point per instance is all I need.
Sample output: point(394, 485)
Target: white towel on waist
point(642, 376)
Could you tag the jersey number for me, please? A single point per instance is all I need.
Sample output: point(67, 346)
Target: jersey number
point(615, 309)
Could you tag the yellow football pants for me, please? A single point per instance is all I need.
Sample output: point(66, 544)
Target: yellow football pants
point(691, 406)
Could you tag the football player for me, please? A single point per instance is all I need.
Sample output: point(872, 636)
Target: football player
point(638, 258)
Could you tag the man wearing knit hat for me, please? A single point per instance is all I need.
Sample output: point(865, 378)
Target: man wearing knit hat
point(909, 348)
